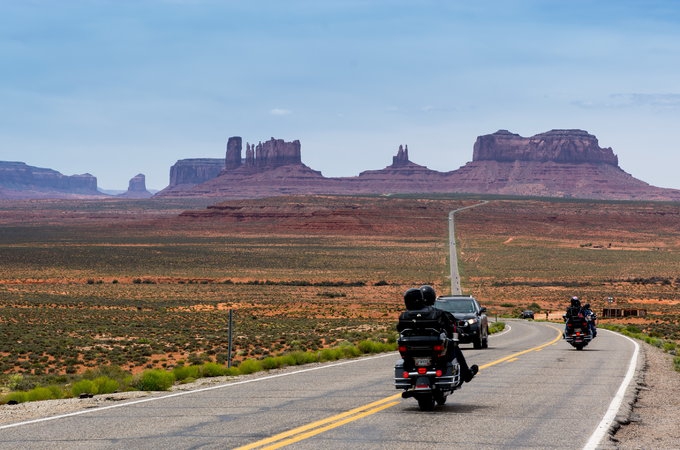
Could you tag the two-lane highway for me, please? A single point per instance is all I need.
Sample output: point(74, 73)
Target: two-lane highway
point(532, 388)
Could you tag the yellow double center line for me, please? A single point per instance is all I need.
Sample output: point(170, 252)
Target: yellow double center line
point(314, 428)
point(320, 426)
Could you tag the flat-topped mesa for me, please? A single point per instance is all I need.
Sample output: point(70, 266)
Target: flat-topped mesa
point(264, 155)
point(19, 175)
point(195, 171)
point(561, 146)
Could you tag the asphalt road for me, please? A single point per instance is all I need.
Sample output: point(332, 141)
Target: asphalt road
point(533, 391)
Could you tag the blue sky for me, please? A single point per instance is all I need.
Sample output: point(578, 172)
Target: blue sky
point(121, 87)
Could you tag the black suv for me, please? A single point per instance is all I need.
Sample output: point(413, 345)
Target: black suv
point(471, 320)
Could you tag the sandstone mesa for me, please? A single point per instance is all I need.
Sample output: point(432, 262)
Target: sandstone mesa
point(557, 163)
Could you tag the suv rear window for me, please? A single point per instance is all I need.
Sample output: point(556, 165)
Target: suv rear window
point(454, 305)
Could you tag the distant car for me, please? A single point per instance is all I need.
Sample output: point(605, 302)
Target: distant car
point(528, 314)
point(471, 320)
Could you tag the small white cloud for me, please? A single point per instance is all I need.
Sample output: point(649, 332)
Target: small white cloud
point(280, 112)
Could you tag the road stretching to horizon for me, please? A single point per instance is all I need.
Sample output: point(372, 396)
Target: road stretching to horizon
point(532, 386)
point(453, 253)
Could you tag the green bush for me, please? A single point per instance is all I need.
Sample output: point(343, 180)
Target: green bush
point(186, 373)
point(369, 346)
point(634, 329)
point(17, 397)
point(57, 391)
point(273, 362)
point(301, 357)
point(350, 351)
point(39, 393)
point(250, 366)
point(496, 327)
point(330, 354)
point(669, 347)
point(83, 387)
point(211, 369)
point(105, 385)
point(287, 360)
point(154, 380)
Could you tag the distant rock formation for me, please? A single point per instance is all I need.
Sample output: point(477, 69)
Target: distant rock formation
point(19, 180)
point(190, 172)
point(233, 159)
point(268, 155)
point(560, 146)
point(137, 188)
point(401, 158)
point(264, 163)
point(558, 163)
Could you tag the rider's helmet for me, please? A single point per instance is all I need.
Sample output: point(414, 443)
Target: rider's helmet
point(429, 295)
point(413, 299)
point(586, 306)
point(575, 302)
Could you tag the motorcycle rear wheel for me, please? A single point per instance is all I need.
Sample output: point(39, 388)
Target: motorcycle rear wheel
point(426, 402)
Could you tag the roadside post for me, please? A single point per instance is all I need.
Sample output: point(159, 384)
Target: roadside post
point(231, 327)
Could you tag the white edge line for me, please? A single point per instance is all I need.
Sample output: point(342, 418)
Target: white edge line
point(614, 406)
point(193, 391)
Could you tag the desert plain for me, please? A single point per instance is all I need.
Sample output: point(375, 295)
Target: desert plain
point(153, 283)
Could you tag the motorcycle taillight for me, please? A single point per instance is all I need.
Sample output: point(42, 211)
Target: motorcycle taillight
point(402, 348)
point(422, 370)
point(438, 348)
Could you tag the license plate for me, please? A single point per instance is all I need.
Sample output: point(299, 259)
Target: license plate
point(420, 362)
point(577, 330)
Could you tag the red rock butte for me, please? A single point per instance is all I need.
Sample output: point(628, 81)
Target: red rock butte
point(558, 163)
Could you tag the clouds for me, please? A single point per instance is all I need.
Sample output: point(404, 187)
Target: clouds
point(165, 80)
point(280, 112)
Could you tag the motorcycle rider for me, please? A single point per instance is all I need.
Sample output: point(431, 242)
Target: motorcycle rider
point(591, 318)
point(575, 310)
point(419, 308)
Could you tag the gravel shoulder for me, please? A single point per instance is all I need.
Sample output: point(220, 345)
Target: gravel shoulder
point(648, 419)
point(651, 421)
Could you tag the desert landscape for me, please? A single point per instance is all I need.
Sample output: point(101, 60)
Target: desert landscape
point(141, 284)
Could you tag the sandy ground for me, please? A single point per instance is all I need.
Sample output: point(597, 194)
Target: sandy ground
point(647, 420)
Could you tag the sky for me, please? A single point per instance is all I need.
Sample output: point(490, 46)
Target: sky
point(115, 88)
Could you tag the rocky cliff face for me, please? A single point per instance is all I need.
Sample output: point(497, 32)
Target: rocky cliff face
point(560, 146)
point(190, 172)
point(19, 180)
point(273, 153)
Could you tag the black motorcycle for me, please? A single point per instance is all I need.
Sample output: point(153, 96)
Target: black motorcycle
point(577, 331)
point(425, 371)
